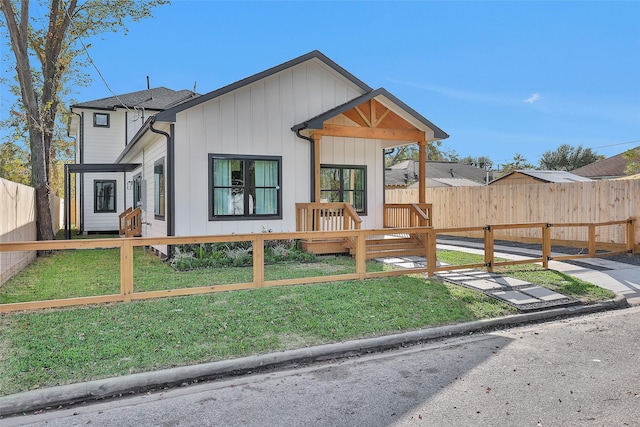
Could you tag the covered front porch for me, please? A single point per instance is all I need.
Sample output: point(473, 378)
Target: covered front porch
point(383, 122)
point(327, 217)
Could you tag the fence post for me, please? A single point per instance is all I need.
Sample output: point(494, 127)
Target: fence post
point(546, 245)
point(258, 260)
point(488, 248)
point(361, 255)
point(126, 269)
point(592, 240)
point(432, 259)
point(631, 236)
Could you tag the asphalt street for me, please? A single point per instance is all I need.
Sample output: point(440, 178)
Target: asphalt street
point(582, 371)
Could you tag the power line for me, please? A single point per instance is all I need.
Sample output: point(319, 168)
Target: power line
point(620, 143)
point(93, 63)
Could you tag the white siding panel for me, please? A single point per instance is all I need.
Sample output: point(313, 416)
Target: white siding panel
point(274, 114)
point(258, 118)
point(102, 221)
point(195, 174)
point(104, 144)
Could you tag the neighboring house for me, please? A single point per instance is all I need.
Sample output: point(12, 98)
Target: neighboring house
point(102, 129)
point(239, 159)
point(609, 168)
point(439, 174)
point(537, 177)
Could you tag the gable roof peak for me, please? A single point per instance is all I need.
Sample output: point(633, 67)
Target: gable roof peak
point(170, 114)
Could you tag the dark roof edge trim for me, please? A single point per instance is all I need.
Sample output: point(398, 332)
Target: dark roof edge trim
point(102, 167)
point(169, 115)
point(136, 138)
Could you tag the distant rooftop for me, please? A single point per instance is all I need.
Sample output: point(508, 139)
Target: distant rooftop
point(439, 174)
point(547, 176)
point(159, 98)
point(611, 167)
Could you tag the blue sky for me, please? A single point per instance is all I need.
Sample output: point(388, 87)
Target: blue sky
point(499, 77)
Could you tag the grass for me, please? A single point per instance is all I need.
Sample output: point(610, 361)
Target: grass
point(584, 291)
point(54, 347)
point(64, 274)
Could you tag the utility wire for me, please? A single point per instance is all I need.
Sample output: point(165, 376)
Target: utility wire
point(93, 63)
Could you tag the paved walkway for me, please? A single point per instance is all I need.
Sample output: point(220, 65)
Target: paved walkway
point(621, 278)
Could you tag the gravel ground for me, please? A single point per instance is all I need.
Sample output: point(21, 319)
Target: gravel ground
point(623, 258)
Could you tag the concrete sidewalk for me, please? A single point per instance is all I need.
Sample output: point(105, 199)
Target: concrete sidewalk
point(621, 278)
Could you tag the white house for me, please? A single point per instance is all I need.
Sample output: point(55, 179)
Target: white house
point(239, 159)
point(102, 129)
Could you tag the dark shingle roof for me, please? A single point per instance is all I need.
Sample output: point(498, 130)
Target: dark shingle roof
point(611, 167)
point(159, 98)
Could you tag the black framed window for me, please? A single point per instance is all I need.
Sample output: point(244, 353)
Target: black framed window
point(342, 183)
point(101, 120)
point(104, 195)
point(158, 189)
point(244, 187)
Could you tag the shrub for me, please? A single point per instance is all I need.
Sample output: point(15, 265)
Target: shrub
point(236, 254)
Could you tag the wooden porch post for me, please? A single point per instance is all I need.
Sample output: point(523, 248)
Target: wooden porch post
point(422, 171)
point(316, 148)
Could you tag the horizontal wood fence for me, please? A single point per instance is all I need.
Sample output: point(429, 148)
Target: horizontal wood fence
point(571, 203)
point(427, 234)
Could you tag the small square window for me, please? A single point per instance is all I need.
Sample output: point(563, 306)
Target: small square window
point(101, 120)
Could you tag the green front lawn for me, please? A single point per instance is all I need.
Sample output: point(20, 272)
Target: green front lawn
point(52, 347)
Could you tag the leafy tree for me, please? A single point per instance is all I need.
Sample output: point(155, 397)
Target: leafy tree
point(518, 163)
point(633, 161)
point(481, 162)
point(411, 152)
point(14, 163)
point(52, 38)
point(450, 156)
point(568, 158)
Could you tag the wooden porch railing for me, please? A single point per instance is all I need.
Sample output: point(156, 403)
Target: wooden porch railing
point(131, 222)
point(121, 220)
point(326, 217)
point(403, 215)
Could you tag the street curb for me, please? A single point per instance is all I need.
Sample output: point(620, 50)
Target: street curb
point(94, 390)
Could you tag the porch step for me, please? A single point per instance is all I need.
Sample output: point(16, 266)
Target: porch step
point(381, 248)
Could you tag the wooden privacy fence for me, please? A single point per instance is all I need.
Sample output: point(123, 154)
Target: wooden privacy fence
point(428, 234)
point(18, 223)
point(570, 203)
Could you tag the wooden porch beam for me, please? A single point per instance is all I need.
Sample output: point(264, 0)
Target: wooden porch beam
point(382, 117)
point(371, 133)
point(362, 116)
point(316, 166)
point(422, 170)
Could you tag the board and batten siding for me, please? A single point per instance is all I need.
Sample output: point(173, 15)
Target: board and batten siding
point(102, 145)
point(255, 119)
point(102, 221)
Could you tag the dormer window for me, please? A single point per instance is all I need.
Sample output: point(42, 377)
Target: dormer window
point(101, 120)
